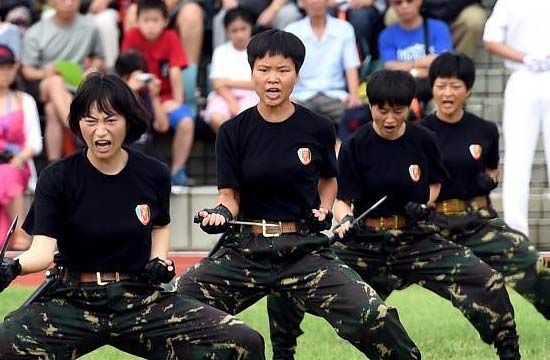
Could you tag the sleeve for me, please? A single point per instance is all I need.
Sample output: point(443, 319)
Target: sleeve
point(442, 40)
point(388, 52)
point(31, 48)
point(33, 135)
point(349, 179)
point(350, 54)
point(164, 189)
point(329, 166)
point(227, 159)
point(492, 159)
point(216, 65)
point(436, 170)
point(97, 45)
point(129, 40)
point(177, 57)
point(47, 208)
point(496, 25)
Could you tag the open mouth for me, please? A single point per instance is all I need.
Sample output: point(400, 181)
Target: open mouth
point(390, 128)
point(102, 145)
point(447, 104)
point(273, 93)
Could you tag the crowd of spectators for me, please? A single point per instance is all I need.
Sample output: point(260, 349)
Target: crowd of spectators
point(158, 47)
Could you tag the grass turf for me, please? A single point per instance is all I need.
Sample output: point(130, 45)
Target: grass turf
point(439, 330)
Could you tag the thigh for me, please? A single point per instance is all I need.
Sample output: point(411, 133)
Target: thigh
point(189, 330)
point(333, 108)
point(49, 329)
point(226, 280)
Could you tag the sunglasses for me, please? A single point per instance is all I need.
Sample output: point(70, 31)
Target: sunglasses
point(400, 2)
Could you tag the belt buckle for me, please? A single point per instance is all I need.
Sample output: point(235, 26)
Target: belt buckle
point(103, 283)
point(264, 230)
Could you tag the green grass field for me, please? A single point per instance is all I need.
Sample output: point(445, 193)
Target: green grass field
point(439, 330)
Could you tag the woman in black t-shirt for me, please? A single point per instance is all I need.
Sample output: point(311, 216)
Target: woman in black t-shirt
point(106, 209)
point(470, 152)
point(277, 167)
point(396, 244)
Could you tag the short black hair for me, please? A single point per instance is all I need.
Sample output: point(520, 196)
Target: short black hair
point(391, 87)
point(151, 5)
point(449, 65)
point(238, 13)
point(112, 96)
point(276, 42)
point(128, 62)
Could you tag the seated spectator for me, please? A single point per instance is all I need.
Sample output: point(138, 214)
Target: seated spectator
point(69, 37)
point(329, 78)
point(132, 68)
point(366, 18)
point(413, 43)
point(268, 14)
point(17, 12)
point(466, 19)
point(230, 72)
point(20, 140)
point(11, 37)
point(188, 18)
point(106, 20)
point(165, 58)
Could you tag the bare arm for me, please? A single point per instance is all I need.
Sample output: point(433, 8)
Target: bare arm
point(160, 242)
point(230, 198)
point(342, 208)
point(175, 84)
point(39, 256)
point(327, 192)
point(434, 193)
point(504, 51)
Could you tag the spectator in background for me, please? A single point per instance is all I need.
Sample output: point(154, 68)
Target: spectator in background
point(413, 43)
point(230, 72)
point(20, 140)
point(329, 78)
point(106, 20)
point(519, 34)
point(132, 68)
point(268, 14)
point(188, 18)
point(11, 37)
point(165, 58)
point(66, 36)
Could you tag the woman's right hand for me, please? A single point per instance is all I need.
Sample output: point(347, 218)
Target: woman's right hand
point(9, 270)
point(345, 227)
point(216, 220)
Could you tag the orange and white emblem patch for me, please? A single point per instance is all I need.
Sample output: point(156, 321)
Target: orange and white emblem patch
point(143, 213)
point(304, 154)
point(414, 172)
point(475, 150)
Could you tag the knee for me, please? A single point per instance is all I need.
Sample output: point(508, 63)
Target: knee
point(190, 16)
point(250, 340)
point(185, 125)
point(473, 18)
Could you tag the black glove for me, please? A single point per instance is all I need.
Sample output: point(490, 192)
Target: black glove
point(416, 212)
point(316, 226)
point(217, 229)
point(158, 271)
point(9, 270)
point(485, 183)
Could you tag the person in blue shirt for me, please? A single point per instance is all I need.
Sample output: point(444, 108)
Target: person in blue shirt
point(413, 43)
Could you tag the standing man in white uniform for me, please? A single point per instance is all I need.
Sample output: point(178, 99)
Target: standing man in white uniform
point(519, 33)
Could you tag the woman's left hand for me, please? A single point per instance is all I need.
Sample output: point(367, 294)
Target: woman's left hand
point(18, 162)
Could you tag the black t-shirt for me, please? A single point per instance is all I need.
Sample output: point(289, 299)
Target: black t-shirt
point(468, 147)
point(101, 222)
point(403, 169)
point(276, 166)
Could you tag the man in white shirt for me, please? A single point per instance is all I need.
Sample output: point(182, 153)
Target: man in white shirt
point(519, 33)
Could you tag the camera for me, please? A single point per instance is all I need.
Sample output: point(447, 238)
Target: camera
point(145, 77)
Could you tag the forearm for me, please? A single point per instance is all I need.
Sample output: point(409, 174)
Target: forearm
point(240, 84)
point(161, 123)
point(33, 74)
point(230, 199)
point(26, 153)
point(504, 51)
point(352, 81)
point(175, 84)
point(327, 192)
point(226, 94)
point(39, 256)
point(160, 242)
point(434, 193)
point(341, 209)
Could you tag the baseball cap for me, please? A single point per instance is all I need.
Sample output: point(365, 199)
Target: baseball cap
point(6, 55)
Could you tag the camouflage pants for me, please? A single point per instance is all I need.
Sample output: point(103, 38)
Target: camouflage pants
point(389, 260)
point(511, 253)
point(303, 270)
point(134, 317)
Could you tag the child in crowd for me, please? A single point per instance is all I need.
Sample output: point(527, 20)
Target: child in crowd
point(132, 68)
point(165, 58)
point(230, 72)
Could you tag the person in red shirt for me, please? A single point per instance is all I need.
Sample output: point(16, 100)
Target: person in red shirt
point(165, 58)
